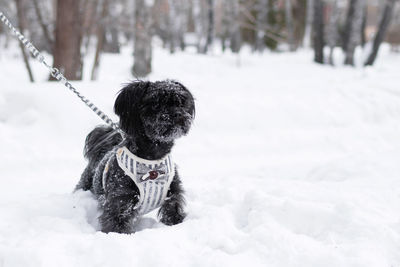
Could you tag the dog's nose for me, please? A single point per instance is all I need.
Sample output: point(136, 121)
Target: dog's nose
point(180, 119)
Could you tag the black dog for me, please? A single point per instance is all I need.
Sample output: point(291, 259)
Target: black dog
point(134, 174)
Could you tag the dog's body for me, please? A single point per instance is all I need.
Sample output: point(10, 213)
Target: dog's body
point(152, 115)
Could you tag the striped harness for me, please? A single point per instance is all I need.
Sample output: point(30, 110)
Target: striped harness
point(152, 177)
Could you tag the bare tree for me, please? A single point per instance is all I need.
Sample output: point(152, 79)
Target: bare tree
point(383, 27)
point(5, 6)
point(210, 24)
point(318, 33)
point(262, 8)
point(22, 25)
point(332, 29)
point(363, 38)
point(204, 21)
point(172, 21)
point(289, 25)
point(177, 22)
point(111, 38)
point(352, 35)
point(142, 41)
point(100, 40)
point(67, 53)
point(309, 22)
point(89, 21)
point(231, 25)
point(46, 32)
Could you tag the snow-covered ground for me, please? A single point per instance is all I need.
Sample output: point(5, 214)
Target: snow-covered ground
point(288, 164)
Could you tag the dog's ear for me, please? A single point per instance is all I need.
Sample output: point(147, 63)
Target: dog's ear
point(127, 105)
point(129, 97)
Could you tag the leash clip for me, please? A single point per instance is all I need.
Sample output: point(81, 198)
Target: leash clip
point(56, 73)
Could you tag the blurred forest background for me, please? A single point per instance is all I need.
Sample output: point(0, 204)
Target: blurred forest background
point(70, 29)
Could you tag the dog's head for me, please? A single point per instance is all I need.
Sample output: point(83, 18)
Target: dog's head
point(162, 111)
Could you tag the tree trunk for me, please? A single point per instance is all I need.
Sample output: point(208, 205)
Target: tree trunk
point(100, 40)
point(380, 35)
point(111, 38)
point(318, 33)
point(352, 36)
point(43, 25)
point(142, 44)
point(232, 8)
point(210, 24)
point(111, 32)
point(348, 24)
point(363, 26)
point(204, 10)
point(309, 23)
point(67, 52)
point(289, 25)
point(200, 22)
point(173, 23)
point(332, 29)
point(261, 23)
point(89, 18)
point(22, 24)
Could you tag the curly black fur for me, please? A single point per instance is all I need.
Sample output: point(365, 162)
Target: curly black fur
point(153, 115)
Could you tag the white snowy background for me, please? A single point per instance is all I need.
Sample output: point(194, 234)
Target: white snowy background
point(288, 163)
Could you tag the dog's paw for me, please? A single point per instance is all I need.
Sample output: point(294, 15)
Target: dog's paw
point(172, 220)
point(171, 214)
point(118, 227)
point(122, 225)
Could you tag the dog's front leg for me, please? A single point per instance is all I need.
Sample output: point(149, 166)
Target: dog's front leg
point(172, 210)
point(119, 214)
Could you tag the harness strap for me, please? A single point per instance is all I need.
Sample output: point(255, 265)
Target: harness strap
point(152, 177)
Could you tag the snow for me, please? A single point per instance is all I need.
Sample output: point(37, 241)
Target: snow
point(288, 163)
